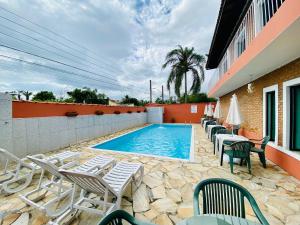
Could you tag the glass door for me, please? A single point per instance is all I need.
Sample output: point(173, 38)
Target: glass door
point(270, 113)
point(295, 118)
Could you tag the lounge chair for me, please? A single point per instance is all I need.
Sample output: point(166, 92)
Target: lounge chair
point(57, 185)
point(24, 171)
point(221, 196)
point(109, 188)
point(121, 217)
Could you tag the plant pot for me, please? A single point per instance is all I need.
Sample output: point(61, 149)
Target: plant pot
point(99, 113)
point(71, 114)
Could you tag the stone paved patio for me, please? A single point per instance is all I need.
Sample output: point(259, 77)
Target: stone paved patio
point(165, 196)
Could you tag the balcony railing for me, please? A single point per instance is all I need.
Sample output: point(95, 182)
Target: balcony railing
point(257, 16)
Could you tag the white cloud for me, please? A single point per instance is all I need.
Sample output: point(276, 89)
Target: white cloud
point(128, 38)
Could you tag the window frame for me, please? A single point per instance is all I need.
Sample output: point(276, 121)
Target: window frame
point(286, 111)
point(273, 88)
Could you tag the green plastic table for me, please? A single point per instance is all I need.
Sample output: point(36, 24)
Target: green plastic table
point(216, 220)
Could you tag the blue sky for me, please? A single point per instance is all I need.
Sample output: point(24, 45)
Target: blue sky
point(116, 46)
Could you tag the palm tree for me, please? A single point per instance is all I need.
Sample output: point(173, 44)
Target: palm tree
point(27, 94)
point(182, 61)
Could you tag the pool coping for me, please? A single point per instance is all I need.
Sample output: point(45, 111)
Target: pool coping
point(192, 152)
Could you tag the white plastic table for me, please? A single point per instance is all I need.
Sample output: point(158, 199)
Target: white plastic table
point(204, 124)
point(220, 138)
point(209, 128)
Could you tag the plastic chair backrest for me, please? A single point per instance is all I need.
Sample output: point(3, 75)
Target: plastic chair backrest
point(221, 196)
point(241, 148)
point(265, 141)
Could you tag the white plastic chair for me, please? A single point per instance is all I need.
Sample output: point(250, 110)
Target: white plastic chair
point(57, 187)
point(23, 171)
point(110, 188)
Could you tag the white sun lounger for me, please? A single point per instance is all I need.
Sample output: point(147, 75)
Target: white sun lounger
point(113, 184)
point(24, 179)
point(57, 186)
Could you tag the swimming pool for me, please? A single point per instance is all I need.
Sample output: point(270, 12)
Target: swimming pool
point(165, 140)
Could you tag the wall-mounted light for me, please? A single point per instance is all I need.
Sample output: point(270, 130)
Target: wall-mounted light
point(250, 88)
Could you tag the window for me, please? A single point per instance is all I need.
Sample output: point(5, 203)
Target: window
point(270, 115)
point(295, 118)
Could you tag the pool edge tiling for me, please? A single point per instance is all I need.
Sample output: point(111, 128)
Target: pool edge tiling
point(160, 143)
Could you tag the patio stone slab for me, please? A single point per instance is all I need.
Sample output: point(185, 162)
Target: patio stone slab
point(164, 205)
point(141, 199)
point(166, 194)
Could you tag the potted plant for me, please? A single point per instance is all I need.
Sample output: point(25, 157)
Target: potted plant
point(138, 111)
point(145, 110)
point(117, 112)
point(71, 114)
point(173, 120)
point(99, 113)
point(129, 111)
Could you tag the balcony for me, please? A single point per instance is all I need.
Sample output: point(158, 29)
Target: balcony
point(265, 23)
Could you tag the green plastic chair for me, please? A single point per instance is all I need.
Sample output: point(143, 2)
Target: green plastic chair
point(214, 131)
point(220, 131)
point(120, 217)
point(261, 151)
point(240, 150)
point(212, 122)
point(221, 196)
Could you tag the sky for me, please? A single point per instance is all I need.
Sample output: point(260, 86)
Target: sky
point(115, 46)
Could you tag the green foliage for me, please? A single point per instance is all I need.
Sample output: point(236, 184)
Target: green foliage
point(88, 96)
point(159, 101)
point(44, 96)
point(136, 102)
point(184, 61)
point(196, 98)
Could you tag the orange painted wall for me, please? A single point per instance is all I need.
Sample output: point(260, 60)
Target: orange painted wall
point(25, 109)
point(182, 112)
point(286, 162)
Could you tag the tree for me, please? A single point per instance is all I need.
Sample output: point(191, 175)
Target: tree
point(44, 96)
point(87, 95)
point(129, 100)
point(159, 101)
point(27, 94)
point(196, 98)
point(182, 61)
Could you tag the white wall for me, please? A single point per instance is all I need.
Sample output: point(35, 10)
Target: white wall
point(24, 136)
point(155, 114)
point(40, 135)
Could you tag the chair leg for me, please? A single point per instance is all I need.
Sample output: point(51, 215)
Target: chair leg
point(231, 164)
point(214, 146)
point(262, 159)
point(241, 162)
point(222, 154)
point(249, 164)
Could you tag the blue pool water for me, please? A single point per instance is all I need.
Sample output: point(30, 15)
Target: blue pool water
point(161, 140)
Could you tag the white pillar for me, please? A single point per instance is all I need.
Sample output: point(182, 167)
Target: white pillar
point(6, 121)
